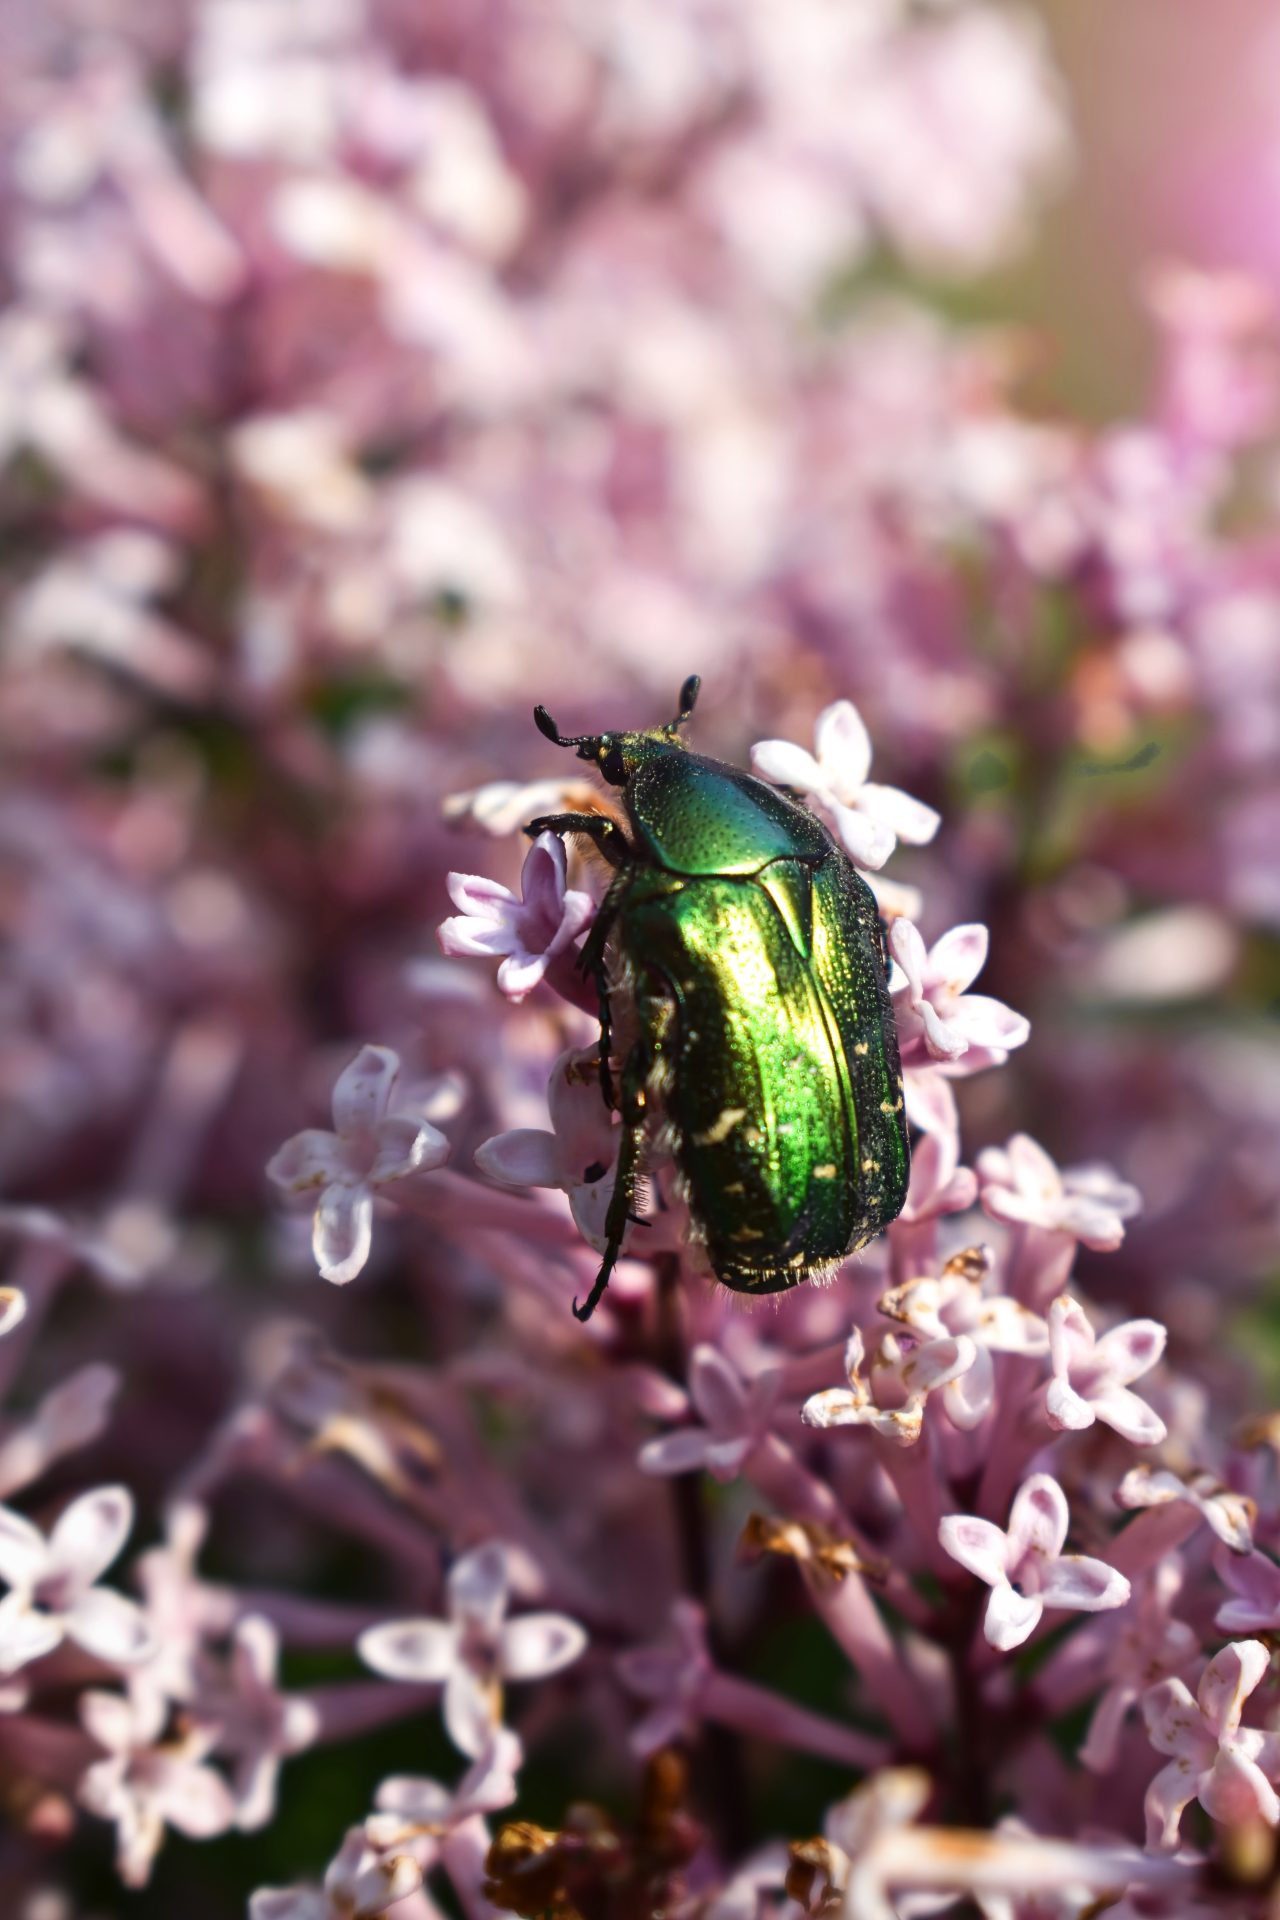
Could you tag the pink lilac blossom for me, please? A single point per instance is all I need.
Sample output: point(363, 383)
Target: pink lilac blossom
point(1092, 1377)
point(530, 931)
point(359, 1884)
point(1025, 1567)
point(149, 1781)
point(476, 1649)
point(1212, 1758)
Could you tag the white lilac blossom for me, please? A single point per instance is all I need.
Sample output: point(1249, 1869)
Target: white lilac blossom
point(150, 1780)
point(476, 1649)
point(869, 819)
point(1212, 1758)
point(359, 1883)
point(1229, 1515)
point(1025, 1567)
point(903, 1375)
point(530, 931)
point(960, 1303)
point(1092, 1377)
point(53, 1584)
point(369, 1150)
point(1021, 1185)
point(577, 1156)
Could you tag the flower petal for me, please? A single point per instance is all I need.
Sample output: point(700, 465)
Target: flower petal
point(906, 818)
point(1066, 1409)
point(1085, 1585)
point(1129, 1416)
point(1010, 1616)
point(1227, 1682)
point(342, 1231)
point(1168, 1795)
point(956, 960)
point(462, 937)
point(362, 1093)
point(89, 1535)
point(977, 1544)
point(930, 1104)
point(1038, 1518)
point(1175, 1724)
point(197, 1802)
point(410, 1650)
point(538, 1644)
point(984, 1022)
point(309, 1159)
point(13, 1307)
point(843, 747)
point(1131, 1350)
point(525, 1157)
point(1237, 1792)
point(683, 1451)
point(478, 1587)
point(111, 1628)
point(406, 1146)
point(716, 1390)
point(784, 764)
point(866, 840)
point(479, 898)
point(469, 1713)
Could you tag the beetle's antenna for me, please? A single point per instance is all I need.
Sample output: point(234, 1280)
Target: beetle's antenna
point(688, 701)
point(545, 724)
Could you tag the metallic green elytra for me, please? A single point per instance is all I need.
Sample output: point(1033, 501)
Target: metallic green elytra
point(742, 950)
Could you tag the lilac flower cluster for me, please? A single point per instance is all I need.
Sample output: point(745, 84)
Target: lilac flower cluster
point(368, 373)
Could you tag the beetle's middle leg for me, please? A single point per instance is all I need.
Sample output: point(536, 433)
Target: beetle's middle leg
point(635, 1116)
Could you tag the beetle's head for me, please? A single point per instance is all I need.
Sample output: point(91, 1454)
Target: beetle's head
point(618, 754)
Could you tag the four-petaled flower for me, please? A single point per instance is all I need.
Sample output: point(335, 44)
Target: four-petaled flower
point(869, 819)
point(903, 1376)
point(1091, 1377)
point(1228, 1514)
point(530, 930)
point(257, 1725)
point(1021, 1184)
point(360, 1883)
point(369, 1149)
point(1026, 1568)
point(955, 1305)
point(1212, 1758)
point(147, 1783)
point(411, 1807)
point(937, 1019)
point(54, 1593)
point(577, 1156)
point(735, 1420)
point(475, 1649)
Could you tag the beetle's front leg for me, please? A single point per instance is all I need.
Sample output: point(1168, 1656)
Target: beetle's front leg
point(622, 1199)
point(597, 827)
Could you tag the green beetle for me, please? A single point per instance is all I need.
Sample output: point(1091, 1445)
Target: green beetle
point(744, 951)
